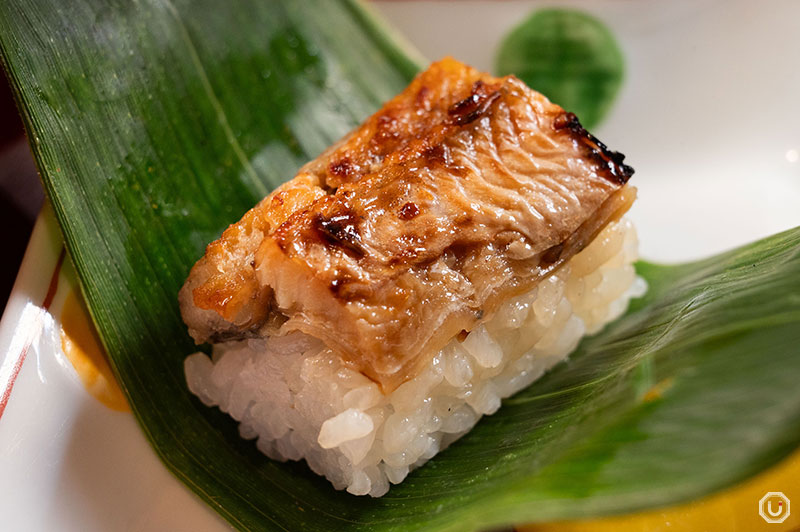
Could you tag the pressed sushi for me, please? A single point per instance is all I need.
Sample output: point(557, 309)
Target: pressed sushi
point(437, 259)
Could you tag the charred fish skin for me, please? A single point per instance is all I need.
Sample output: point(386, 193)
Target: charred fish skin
point(462, 191)
point(613, 161)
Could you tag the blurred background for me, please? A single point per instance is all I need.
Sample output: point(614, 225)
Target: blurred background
point(21, 194)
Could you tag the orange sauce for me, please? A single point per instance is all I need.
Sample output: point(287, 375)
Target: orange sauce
point(81, 345)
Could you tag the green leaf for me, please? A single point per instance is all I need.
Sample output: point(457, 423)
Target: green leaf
point(157, 123)
point(570, 57)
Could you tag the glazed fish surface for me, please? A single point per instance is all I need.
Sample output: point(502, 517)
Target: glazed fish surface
point(461, 192)
point(409, 270)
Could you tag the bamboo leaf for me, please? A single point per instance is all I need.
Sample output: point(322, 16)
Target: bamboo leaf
point(157, 123)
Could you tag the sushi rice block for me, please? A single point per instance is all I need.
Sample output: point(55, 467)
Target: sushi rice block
point(436, 260)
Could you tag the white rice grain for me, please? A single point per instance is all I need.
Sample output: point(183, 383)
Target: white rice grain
point(300, 402)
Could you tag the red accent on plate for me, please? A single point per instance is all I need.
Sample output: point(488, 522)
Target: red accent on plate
point(48, 300)
point(53, 288)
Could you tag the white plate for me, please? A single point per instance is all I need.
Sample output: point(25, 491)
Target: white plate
point(707, 115)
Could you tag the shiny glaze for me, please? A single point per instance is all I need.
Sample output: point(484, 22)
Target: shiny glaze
point(460, 192)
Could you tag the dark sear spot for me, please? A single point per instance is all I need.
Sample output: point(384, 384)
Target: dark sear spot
point(343, 168)
point(437, 154)
point(338, 284)
point(348, 288)
point(434, 153)
point(409, 211)
point(551, 255)
point(616, 171)
point(462, 335)
point(340, 230)
point(473, 106)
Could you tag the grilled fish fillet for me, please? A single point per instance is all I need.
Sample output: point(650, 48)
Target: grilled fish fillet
point(462, 191)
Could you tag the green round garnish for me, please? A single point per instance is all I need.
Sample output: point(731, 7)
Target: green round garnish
point(569, 56)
